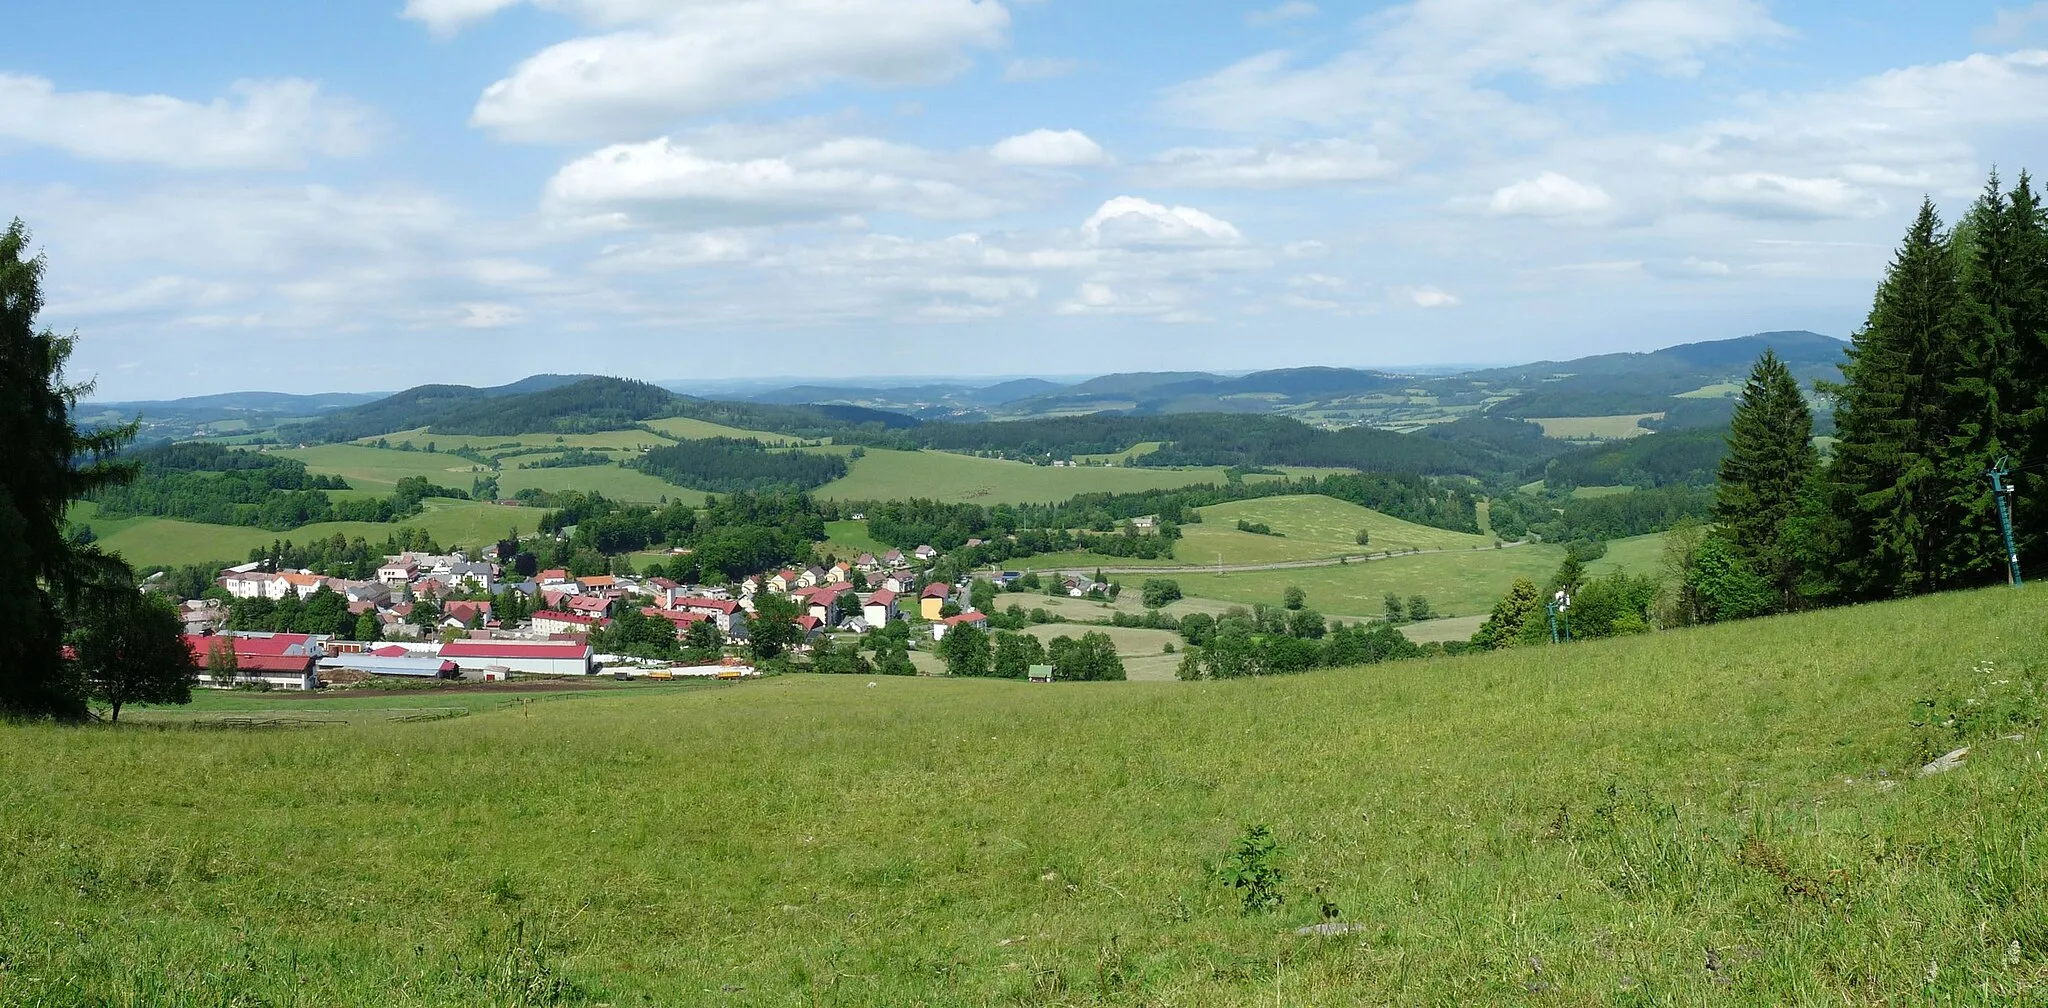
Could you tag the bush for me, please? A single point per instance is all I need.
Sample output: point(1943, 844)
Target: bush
point(1160, 591)
point(1252, 868)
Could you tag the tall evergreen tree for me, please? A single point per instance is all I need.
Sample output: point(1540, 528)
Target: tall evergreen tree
point(1983, 393)
point(1770, 458)
point(50, 463)
point(2027, 219)
point(1891, 420)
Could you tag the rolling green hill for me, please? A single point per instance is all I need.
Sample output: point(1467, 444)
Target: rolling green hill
point(1720, 816)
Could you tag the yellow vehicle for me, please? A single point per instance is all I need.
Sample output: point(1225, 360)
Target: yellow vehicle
point(730, 673)
point(661, 675)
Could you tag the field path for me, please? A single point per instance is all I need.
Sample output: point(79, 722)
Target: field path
point(1285, 564)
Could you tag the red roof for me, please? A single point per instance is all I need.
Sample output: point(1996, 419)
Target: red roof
point(510, 649)
point(274, 644)
point(587, 604)
point(273, 663)
point(720, 605)
point(680, 619)
point(809, 622)
point(391, 651)
point(937, 590)
point(967, 617)
point(563, 617)
point(552, 574)
point(882, 597)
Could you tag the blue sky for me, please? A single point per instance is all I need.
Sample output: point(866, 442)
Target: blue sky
point(371, 195)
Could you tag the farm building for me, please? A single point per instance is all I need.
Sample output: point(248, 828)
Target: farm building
point(401, 668)
point(284, 664)
point(528, 657)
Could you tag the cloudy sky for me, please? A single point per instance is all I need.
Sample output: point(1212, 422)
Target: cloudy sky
point(371, 194)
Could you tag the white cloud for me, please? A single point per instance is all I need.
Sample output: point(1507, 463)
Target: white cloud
point(489, 316)
point(1301, 301)
point(1307, 163)
point(446, 17)
point(1549, 195)
point(1291, 10)
point(1029, 68)
point(2014, 24)
point(1433, 61)
point(1046, 148)
point(261, 124)
point(1098, 298)
point(661, 180)
point(672, 61)
point(1429, 297)
point(1763, 194)
point(1129, 221)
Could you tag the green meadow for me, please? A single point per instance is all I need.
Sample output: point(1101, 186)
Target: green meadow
point(1309, 527)
point(1728, 815)
point(1458, 582)
point(150, 541)
point(885, 474)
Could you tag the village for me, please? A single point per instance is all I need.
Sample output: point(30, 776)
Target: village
point(470, 639)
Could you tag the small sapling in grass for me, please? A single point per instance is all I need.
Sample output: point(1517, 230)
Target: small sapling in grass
point(1252, 868)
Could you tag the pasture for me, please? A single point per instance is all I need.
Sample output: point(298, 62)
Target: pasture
point(885, 474)
point(150, 541)
point(1311, 527)
point(1728, 815)
point(1457, 582)
point(1603, 428)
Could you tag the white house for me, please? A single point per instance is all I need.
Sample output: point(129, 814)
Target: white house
point(879, 608)
point(550, 622)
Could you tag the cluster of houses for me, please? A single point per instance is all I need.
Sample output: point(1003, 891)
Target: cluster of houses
point(565, 610)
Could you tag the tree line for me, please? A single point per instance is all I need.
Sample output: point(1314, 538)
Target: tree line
point(730, 465)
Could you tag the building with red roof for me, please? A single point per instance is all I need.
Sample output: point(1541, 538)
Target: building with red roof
point(931, 603)
point(284, 661)
point(968, 618)
point(527, 657)
point(548, 621)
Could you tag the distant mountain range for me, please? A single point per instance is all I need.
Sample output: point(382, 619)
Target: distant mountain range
point(1689, 385)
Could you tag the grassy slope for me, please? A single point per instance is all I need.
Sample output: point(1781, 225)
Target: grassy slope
point(366, 467)
point(1624, 426)
point(1689, 818)
point(946, 476)
point(1458, 583)
point(147, 541)
point(1313, 527)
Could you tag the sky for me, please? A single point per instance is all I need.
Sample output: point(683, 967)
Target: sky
point(373, 194)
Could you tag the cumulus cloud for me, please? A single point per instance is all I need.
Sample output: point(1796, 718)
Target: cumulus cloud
point(1548, 195)
point(2012, 25)
point(670, 61)
point(1429, 297)
point(260, 124)
point(1046, 148)
point(1307, 163)
point(662, 180)
point(446, 17)
point(1763, 194)
point(1437, 60)
point(1130, 221)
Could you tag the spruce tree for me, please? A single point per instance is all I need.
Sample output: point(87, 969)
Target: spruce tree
point(2027, 219)
point(1891, 422)
point(1770, 458)
point(50, 463)
point(1982, 397)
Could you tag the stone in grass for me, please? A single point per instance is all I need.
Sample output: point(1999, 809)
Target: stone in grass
point(1946, 763)
point(1328, 929)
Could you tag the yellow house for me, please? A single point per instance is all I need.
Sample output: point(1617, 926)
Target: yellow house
point(932, 602)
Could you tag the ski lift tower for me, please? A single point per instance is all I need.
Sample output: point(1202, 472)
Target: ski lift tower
point(1559, 605)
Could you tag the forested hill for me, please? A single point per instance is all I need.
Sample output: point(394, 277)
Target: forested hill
point(580, 405)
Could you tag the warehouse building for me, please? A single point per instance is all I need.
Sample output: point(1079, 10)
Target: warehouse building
point(522, 657)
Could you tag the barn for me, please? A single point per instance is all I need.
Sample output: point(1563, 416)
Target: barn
point(526, 657)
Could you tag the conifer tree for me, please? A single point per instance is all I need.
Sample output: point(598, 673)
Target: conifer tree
point(1891, 421)
point(2028, 220)
point(40, 570)
point(1770, 459)
point(1983, 393)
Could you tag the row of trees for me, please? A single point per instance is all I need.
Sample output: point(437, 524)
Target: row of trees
point(729, 465)
point(1948, 376)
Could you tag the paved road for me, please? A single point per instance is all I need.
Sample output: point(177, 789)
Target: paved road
point(1283, 565)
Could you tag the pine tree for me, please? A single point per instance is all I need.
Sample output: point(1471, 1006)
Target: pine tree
point(2028, 220)
point(1890, 420)
point(1770, 458)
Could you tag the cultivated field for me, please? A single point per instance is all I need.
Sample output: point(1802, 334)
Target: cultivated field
point(1721, 816)
point(149, 541)
point(685, 427)
point(1604, 428)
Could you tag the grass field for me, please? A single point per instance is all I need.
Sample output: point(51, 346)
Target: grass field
point(1720, 391)
point(684, 427)
point(623, 441)
point(1457, 583)
point(368, 468)
point(1313, 527)
point(1604, 427)
point(898, 475)
point(1718, 816)
point(847, 540)
point(148, 541)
